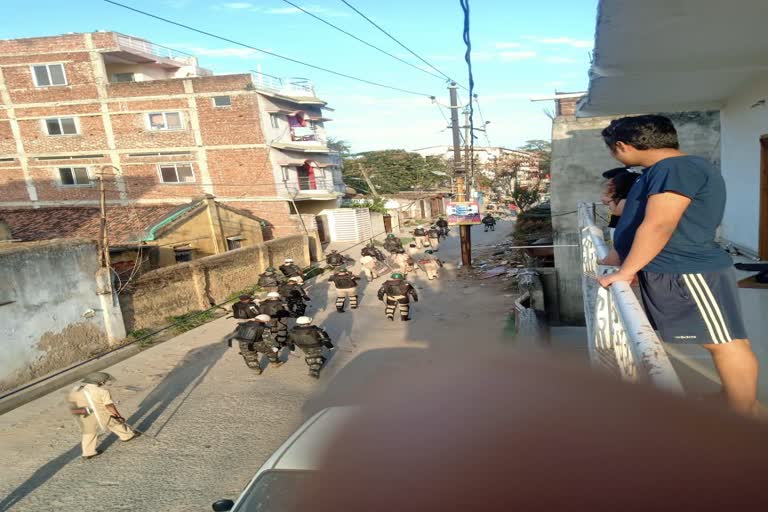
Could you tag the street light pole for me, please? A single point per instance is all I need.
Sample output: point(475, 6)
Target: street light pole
point(459, 170)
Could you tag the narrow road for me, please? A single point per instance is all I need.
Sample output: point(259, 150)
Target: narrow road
point(212, 422)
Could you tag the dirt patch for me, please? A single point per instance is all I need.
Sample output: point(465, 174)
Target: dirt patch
point(75, 343)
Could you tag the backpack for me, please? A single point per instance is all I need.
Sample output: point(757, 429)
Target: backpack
point(249, 331)
point(244, 310)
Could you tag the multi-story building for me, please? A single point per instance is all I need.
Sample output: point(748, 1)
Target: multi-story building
point(163, 129)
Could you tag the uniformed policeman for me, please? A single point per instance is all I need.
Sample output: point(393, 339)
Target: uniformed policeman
point(269, 280)
point(294, 296)
point(373, 251)
point(393, 245)
point(396, 292)
point(291, 269)
point(369, 265)
point(420, 237)
point(434, 237)
point(278, 314)
point(429, 264)
point(92, 403)
point(489, 222)
point(442, 227)
point(311, 340)
point(346, 286)
point(246, 308)
point(402, 262)
point(334, 259)
point(254, 337)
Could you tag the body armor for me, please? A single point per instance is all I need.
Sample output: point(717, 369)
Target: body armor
point(245, 310)
point(343, 280)
point(334, 259)
point(419, 232)
point(274, 308)
point(290, 270)
point(268, 281)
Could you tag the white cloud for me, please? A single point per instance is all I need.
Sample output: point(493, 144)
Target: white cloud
point(521, 55)
point(507, 45)
point(560, 60)
point(481, 56)
point(562, 41)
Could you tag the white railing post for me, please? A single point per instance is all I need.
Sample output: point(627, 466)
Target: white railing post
point(620, 337)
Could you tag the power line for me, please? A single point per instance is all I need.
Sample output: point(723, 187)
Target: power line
point(369, 20)
point(468, 58)
point(244, 45)
point(366, 43)
point(482, 120)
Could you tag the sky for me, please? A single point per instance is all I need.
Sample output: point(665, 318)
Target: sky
point(520, 49)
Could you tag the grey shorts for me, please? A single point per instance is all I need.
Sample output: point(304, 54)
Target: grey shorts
point(696, 309)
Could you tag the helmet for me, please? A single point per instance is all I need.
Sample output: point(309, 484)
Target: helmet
point(270, 269)
point(273, 295)
point(421, 226)
point(289, 260)
point(397, 275)
point(294, 279)
point(98, 378)
point(341, 269)
point(245, 297)
point(391, 235)
point(303, 320)
point(429, 251)
point(262, 318)
point(334, 251)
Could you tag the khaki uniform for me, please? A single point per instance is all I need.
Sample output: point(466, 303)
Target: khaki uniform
point(430, 267)
point(369, 264)
point(421, 241)
point(97, 399)
point(403, 262)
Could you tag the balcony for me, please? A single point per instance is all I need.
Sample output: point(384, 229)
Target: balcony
point(620, 337)
point(288, 87)
point(310, 188)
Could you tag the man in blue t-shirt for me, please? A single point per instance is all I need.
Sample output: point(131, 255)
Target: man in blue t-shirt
point(666, 237)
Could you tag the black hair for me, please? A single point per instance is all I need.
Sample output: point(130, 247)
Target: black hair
point(622, 183)
point(642, 133)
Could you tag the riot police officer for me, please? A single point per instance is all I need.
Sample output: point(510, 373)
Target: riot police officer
point(434, 237)
point(429, 264)
point(398, 293)
point(442, 227)
point(278, 323)
point(311, 340)
point(334, 259)
point(489, 222)
point(269, 280)
point(291, 269)
point(393, 244)
point(245, 309)
point(346, 286)
point(254, 337)
point(420, 237)
point(373, 251)
point(294, 296)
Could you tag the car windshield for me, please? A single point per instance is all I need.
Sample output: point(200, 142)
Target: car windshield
point(273, 491)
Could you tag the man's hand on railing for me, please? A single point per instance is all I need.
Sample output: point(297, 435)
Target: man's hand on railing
point(608, 279)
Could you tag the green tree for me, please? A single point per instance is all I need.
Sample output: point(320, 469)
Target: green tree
point(524, 198)
point(340, 146)
point(394, 170)
point(542, 148)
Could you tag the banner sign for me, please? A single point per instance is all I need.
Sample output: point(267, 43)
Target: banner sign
point(462, 214)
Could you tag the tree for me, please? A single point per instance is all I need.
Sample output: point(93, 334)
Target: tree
point(524, 198)
point(542, 148)
point(394, 170)
point(340, 146)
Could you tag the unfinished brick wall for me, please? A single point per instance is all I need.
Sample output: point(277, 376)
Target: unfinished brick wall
point(172, 291)
point(277, 214)
point(236, 124)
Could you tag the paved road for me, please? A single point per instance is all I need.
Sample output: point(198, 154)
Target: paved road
point(215, 422)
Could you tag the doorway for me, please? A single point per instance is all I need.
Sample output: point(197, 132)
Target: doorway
point(763, 243)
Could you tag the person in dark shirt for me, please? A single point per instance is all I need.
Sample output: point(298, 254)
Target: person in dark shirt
point(620, 181)
point(666, 238)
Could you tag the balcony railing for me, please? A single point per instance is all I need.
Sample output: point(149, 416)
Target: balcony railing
point(147, 48)
point(284, 86)
point(620, 336)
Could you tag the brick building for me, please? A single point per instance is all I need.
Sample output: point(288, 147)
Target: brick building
point(171, 130)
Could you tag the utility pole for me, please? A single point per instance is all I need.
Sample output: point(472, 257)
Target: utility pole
point(103, 234)
point(369, 182)
point(460, 172)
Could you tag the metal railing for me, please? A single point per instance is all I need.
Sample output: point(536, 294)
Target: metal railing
point(285, 86)
point(620, 337)
point(144, 46)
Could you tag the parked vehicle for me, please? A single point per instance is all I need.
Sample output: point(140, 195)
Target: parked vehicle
point(278, 482)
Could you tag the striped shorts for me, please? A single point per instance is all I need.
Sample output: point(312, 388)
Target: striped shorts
point(696, 309)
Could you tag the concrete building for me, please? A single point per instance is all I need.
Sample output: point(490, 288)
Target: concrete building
point(579, 157)
point(145, 236)
point(169, 129)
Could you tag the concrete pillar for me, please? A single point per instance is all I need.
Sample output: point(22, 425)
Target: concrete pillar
point(110, 307)
point(217, 231)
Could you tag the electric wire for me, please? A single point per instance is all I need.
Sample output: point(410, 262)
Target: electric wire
point(468, 59)
point(266, 52)
point(366, 43)
point(369, 20)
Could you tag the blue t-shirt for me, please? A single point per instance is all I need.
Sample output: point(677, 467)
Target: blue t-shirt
point(692, 248)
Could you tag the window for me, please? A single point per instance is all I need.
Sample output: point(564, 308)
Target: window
point(234, 242)
point(222, 101)
point(274, 121)
point(176, 173)
point(46, 75)
point(74, 176)
point(61, 126)
point(165, 121)
point(123, 77)
point(183, 253)
point(286, 171)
